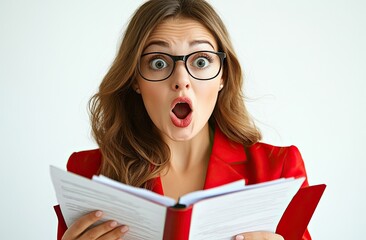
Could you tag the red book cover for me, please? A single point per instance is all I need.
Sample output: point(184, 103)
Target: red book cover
point(297, 215)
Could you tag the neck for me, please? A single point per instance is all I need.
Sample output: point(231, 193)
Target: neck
point(188, 154)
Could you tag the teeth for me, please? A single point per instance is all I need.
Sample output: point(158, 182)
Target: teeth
point(181, 103)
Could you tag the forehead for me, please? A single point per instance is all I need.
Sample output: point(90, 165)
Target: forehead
point(180, 32)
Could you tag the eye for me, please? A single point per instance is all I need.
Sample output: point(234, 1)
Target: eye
point(158, 64)
point(201, 62)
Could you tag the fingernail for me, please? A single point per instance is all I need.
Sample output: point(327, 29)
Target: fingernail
point(113, 224)
point(124, 229)
point(98, 213)
point(239, 237)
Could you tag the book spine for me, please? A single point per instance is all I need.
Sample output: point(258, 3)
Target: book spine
point(177, 223)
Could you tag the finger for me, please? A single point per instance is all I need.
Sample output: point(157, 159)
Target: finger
point(107, 230)
point(117, 233)
point(80, 225)
point(260, 235)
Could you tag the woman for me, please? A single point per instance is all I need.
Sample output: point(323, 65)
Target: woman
point(171, 109)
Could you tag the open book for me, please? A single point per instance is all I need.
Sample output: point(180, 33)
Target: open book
point(217, 213)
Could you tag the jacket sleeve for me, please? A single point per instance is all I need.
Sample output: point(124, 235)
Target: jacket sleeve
point(61, 228)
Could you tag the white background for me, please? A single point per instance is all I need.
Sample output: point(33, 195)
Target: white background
point(305, 81)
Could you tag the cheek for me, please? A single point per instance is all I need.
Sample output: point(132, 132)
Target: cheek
point(150, 95)
point(150, 98)
point(208, 96)
point(153, 98)
point(149, 91)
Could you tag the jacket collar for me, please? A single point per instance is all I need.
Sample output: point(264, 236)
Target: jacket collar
point(225, 153)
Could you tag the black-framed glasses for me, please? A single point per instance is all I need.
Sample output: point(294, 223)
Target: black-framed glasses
point(201, 65)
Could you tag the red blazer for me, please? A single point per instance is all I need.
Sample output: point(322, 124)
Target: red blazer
point(229, 161)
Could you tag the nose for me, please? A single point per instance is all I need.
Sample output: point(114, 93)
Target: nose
point(180, 77)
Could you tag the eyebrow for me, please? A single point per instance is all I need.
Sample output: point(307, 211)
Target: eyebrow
point(166, 44)
point(197, 42)
point(157, 42)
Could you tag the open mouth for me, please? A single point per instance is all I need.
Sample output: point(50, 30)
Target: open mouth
point(181, 110)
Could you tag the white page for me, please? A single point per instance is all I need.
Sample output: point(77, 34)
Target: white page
point(255, 209)
point(144, 193)
point(193, 197)
point(78, 195)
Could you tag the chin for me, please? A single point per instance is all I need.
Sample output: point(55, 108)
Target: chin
point(181, 135)
point(184, 134)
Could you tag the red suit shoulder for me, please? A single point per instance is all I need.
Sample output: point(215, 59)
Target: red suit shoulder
point(85, 163)
point(270, 162)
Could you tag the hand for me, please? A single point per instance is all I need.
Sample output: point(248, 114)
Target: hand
point(258, 236)
point(109, 230)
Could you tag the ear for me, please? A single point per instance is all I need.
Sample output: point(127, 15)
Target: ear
point(136, 87)
point(221, 84)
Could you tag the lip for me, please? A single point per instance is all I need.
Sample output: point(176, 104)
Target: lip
point(181, 123)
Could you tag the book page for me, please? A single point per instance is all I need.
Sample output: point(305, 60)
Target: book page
point(258, 208)
point(78, 195)
point(141, 192)
point(186, 199)
point(195, 196)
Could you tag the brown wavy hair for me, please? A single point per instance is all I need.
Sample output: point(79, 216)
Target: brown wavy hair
point(132, 148)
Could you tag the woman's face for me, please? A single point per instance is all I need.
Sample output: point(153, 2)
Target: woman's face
point(181, 105)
